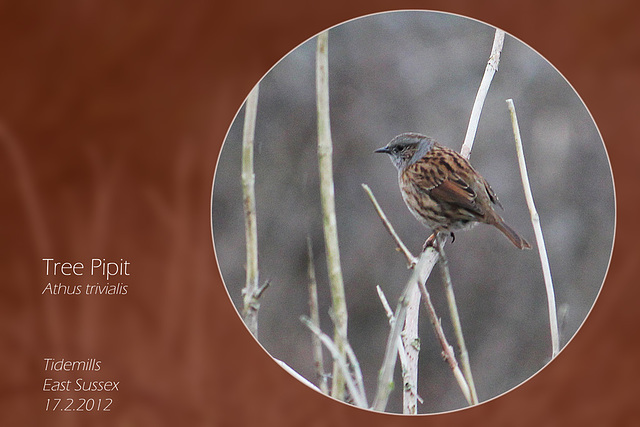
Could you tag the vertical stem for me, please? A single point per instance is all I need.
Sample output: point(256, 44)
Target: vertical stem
point(250, 291)
point(314, 315)
point(325, 163)
point(455, 318)
point(535, 221)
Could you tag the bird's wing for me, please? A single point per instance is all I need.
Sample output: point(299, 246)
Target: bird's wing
point(443, 185)
point(457, 192)
point(492, 194)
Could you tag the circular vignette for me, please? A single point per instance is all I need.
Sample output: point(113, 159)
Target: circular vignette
point(418, 71)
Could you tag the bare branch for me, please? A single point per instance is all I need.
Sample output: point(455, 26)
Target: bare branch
point(409, 373)
point(325, 163)
point(409, 362)
point(447, 350)
point(411, 260)
point(392, 320)
point(455, 319)
point(535, 221)
point(339, 361)
point(385, 304)
point(489, 71)
point(296, 375)
point(420, 272)
point(250, 291)
point(321, 376)
point(465, 151)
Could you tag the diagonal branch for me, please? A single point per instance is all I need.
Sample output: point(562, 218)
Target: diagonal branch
point(455, 319)
point(411, 260)
point(483, 89)
point(447, 350)
point(340, 362)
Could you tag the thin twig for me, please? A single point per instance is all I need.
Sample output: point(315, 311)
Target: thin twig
point(455, 318)
point(385, 304)
point(411, 260)
point(325, 162)
point(535, 221)
point(357, 371)
point(250, 291)
point(447, 350)
point(489, 71)
point(385, 377)
point(296, 375)
point(321, 376)
point(340, 362)
point(353, 361)
point(392, 320)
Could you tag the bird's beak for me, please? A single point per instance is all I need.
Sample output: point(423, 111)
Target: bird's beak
point(382, 150)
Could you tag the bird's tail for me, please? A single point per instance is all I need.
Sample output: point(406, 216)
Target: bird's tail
point(511, 234)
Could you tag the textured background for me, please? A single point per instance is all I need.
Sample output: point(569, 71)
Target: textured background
point(112, 119)
point(418, 71)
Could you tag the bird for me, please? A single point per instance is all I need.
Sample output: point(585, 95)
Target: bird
point(441, 188)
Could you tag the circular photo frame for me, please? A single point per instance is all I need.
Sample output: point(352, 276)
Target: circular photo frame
point(326, 249)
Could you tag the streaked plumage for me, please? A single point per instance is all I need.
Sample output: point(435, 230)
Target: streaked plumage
point(441, 188)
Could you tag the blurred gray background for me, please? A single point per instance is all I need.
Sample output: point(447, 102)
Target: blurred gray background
point(419, 71)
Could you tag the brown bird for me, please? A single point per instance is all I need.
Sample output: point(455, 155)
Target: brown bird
point(441, 189)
